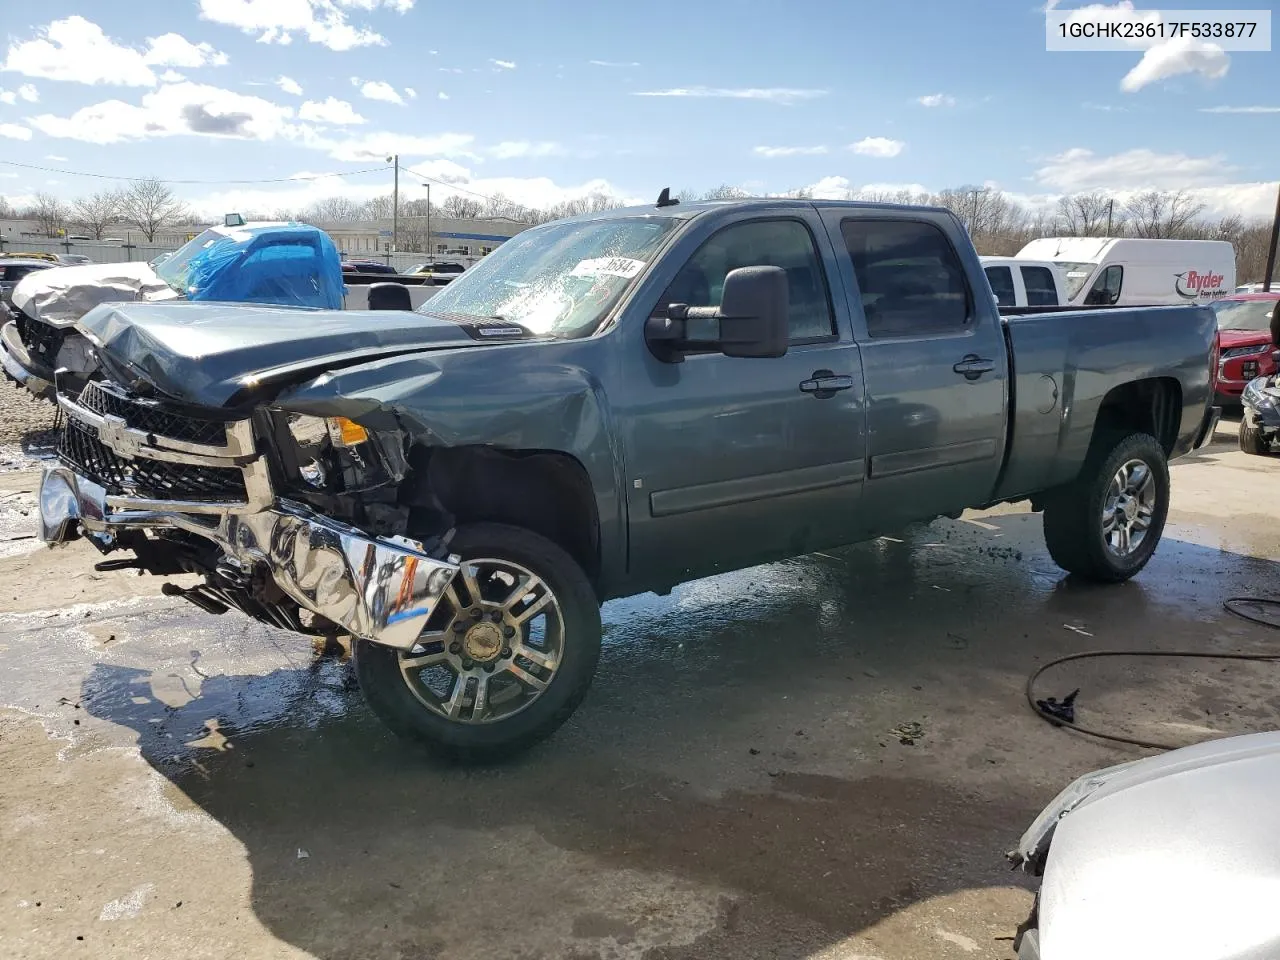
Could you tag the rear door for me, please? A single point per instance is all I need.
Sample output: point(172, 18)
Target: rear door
point(739, 460)
point(934, 363)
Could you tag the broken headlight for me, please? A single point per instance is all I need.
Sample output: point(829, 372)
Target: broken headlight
point(336, 454)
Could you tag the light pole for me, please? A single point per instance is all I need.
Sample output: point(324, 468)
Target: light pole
point(1271, 251)
point(395, 204)
point(431, 251)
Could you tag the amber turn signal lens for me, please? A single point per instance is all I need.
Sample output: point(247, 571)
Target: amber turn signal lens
point(349, 433)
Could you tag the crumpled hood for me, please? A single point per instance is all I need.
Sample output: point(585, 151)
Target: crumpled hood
point(62, 295)
point(207, 353)
point(1173, 856)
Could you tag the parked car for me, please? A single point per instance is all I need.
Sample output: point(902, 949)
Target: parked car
point(13, 268)
point(279, 263)
point(607, 405)
point(1168, 856)
point(1025, 283)
point(1104, 271)
point(367, 266)
point(1257, 287)
point(1245, 350)
point(73, 259)
point(440, 272)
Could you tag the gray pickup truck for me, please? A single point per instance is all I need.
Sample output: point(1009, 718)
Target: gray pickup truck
point(607, 405)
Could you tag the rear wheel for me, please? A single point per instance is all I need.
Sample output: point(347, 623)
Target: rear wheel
point(1107, 523)
point(504, 660)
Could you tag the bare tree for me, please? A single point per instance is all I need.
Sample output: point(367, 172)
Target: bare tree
point(97, 212)
point(151, 206)
point(459, 207)
point(338, 210)
point(49, 212)
point(724, 192)
point(1158, 214)
point(1088, 214)
point(6, 209)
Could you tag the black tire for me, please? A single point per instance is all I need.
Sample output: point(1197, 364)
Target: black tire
point(1252, 442)
point(1073, 515)
point(388, 694)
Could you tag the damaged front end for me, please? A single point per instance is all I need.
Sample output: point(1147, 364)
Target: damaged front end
point(290, 519)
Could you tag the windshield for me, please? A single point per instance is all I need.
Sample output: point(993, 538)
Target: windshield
point(172, 268)
point(558, 280)
point(1252, 315)
point(1077, 274)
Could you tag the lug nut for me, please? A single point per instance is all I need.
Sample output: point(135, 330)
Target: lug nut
point(509, 631)
point(477, 614)
point(459, 627)
point(488, 668)
point(467, 664)
point(506, 652)
point(455, 648)
point(496, 616)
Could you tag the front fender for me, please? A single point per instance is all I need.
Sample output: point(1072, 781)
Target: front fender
point(541, 396)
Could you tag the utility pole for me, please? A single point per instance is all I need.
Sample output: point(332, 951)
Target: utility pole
point(431, 252)
point(1110, 206)
point(395, 204)
point(1271, 252)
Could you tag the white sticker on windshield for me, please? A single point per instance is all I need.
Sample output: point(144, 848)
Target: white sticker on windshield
point(623, 267)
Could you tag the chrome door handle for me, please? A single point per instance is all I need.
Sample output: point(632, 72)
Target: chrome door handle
point(973, 366)
point(825, 383)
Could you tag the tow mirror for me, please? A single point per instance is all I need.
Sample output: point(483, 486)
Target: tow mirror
point(751, 320)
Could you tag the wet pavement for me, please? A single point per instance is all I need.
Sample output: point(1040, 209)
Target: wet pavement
point(821, 758)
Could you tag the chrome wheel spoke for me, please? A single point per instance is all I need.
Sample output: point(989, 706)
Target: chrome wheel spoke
point(482, 697)
point(536, 657)
point(521, 590)
point(1141, 482)
point(526, 678)
point(1124, 543)
point(453, 707)
point(1108, 523)
point(423, 660)
point(469, 578)
point(531, 611)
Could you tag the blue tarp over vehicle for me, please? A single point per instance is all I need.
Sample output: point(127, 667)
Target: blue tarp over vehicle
point(288, 264)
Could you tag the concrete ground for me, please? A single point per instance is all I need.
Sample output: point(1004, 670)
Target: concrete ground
point(177, 784)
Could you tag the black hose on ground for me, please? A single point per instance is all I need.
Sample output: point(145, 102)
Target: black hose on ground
point(1232, 605)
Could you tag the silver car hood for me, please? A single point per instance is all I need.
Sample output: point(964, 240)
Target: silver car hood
point(1173, 856)
point(62, 295)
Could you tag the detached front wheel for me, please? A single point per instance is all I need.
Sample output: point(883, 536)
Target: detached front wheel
point(1106, 524)
point(505, 659)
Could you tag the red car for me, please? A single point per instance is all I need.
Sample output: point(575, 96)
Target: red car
point(1244, 342)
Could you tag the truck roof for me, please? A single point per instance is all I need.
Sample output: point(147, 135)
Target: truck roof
point(694, 208)
point(1093, 249)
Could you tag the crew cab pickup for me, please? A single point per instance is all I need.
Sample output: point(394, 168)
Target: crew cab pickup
point(607, 405)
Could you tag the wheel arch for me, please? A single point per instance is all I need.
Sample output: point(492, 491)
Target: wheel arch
point(1152, 406)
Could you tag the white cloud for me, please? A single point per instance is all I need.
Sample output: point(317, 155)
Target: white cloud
point(378, 90)
point(174, 109)
point(442, 95)
point(450, 70)
point(411, 93)
point(1081, 169)
point(1240, 109)
point(503, 64)
point(330, 110)
point(289, 86)
point(774, 152)
point(321, 21)
point(57, 159)
point(783, 95)
point(14, 132)
point(172, 50)
point(830, 188)
point(511, 149)
point(29, 93)
point(613, 63)
point(171, 76)
point(1176, 57)
point(8, 97)
point(877, 147)
point(78, 51)
point(937, 100)
point(379, 146)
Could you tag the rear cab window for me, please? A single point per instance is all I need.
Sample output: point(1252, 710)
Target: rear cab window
point(910, 279)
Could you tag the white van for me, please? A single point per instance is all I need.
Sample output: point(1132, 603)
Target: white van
point(1025, 283)
point(1106, 271)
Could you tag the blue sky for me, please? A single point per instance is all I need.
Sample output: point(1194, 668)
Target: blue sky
point(546, 101)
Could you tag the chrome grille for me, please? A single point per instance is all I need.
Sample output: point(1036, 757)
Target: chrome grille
point(150, 416)
point(80, 449)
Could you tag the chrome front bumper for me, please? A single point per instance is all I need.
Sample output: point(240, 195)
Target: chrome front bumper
point(382, 590)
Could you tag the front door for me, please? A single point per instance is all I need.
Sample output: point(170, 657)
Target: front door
point(933, 356)
point(733, 460)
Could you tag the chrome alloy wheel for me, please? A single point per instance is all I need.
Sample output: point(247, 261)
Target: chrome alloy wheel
point(1129, 508)
point(492, 647)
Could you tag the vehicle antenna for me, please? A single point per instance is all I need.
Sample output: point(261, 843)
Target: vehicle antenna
point(664, 198)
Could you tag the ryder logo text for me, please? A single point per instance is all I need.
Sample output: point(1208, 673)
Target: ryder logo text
point(1194, 285)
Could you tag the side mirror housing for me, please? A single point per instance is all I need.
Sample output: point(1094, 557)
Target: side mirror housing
point(751, 321)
